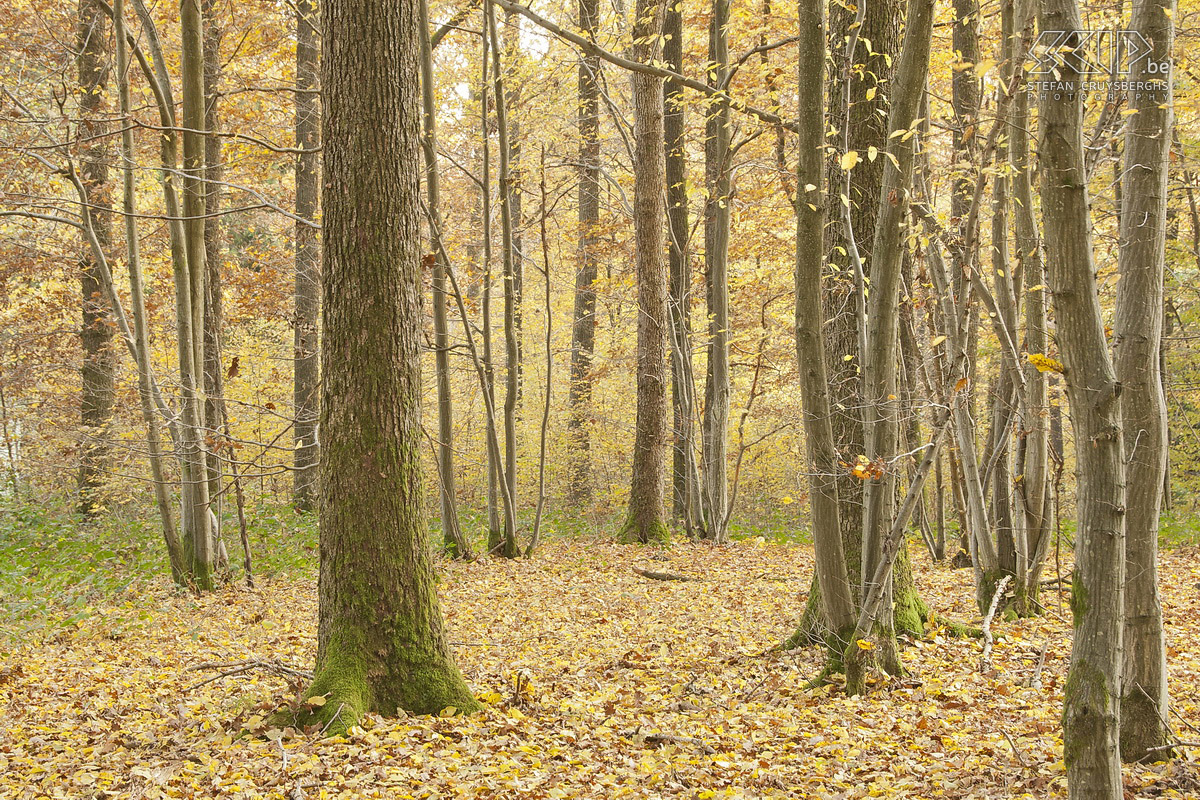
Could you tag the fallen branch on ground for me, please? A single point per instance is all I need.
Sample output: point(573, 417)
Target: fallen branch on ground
point(231, 668)
point(661, 576)
point(985, 661)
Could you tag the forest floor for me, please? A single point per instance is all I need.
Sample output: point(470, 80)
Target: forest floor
point(597, 683)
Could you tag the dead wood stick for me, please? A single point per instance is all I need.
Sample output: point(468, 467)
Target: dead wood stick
point(1036, 681)
point(231, 668)
point(986, 659)
point(661, 576)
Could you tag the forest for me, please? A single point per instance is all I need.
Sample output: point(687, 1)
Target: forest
point(540, 399)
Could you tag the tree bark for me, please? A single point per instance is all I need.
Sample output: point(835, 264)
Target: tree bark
point(99, 360)
point(716, 267)
point(684, 493)
point(837, 601)
point(1138, 340)
point(1092, 693)
point(190, 294)
point(454, 543)
point(307, 289)
point(583, 329)
point(380, 641)
point(646, 521)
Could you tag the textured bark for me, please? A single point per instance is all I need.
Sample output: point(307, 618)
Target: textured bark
point(380, 641)
point(1092, 692)
point(717, 213)
point(583, 329)
point(837, 601)
point(99, 359)
point(646, 521)
point(684, 493)
point(307, 289)
point(454, 543)
point(190, 296)
point(1138, 340)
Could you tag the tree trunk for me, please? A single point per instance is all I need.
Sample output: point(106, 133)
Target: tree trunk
point(215, 412)
point(837, 600)
point(507, 546)
point(454, 543)
point(684, 494)
point(1138, 337)
point(647, 520)
point(1092, 693)
point(190, 292)
point(307, 292)
point(583, 330)
point(380, 641)
point(716, 267)
point(99, 360)
point(154, 449)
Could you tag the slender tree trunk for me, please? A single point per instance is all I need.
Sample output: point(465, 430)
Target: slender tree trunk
point(454, 543)
point(307, 291)
point(190, 289)
point(215, 412)
point(717, 212)
point(583, 330)
point(99, 360)
point(683, 492)
point(507, 547)
point(154, 449)
point(879, 397)
point(837, 600)
point(494, 526)
point(380, 639)
point(647, 495)
point(1138, 337)
point(1093, 689)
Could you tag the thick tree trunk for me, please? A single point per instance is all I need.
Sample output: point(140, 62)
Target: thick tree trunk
point(1093, 689)
point(646, 521)
point(381, 645)
point(1138, 336)
point(717, 213)
point(99, 360)
point(583, 330)
point(190, 294)
point(307, 291)
point(454, 543)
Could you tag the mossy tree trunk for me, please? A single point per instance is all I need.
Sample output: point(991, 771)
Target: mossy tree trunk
point(646, 521)
point(380, 643)
point(1138, 336)
point(1091, 703)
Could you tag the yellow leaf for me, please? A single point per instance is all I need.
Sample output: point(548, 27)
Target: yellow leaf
point(316, 701)
point(1046, 364)
point(448, 711)
point(872, 153)
point(786, 500)
point(849, 160)
point(863, 644)
point(937, 340)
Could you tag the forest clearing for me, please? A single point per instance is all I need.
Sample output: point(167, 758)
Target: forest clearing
point(596, 683)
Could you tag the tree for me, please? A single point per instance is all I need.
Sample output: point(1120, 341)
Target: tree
point(646, 521)
point(99, 360)
point(583, 328)
point(380, 643)
point(307, 293)
point(1138, 338)
point(1092, 694)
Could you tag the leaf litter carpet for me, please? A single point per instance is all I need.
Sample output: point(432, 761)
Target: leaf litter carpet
point(597, 683)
